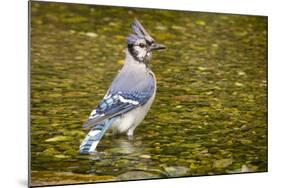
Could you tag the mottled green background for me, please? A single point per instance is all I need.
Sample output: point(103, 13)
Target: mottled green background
point(210, 112)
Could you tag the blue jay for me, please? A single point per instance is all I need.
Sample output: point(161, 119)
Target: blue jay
point(130, 95)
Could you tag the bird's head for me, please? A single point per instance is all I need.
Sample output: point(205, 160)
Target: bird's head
point(141, 44)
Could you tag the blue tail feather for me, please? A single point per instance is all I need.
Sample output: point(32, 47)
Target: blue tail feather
point(92, 139)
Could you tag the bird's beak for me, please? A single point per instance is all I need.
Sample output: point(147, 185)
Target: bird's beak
point(156, 46)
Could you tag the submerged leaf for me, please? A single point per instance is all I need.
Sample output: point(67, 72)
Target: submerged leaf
point(222, 163)
point(58, 139)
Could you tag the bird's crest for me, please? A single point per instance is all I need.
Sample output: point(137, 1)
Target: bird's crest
point(139, 33)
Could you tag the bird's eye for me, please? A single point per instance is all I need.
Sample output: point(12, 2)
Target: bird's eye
point(141, 45)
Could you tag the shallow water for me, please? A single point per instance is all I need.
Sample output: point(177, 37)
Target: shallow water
point(210, 112)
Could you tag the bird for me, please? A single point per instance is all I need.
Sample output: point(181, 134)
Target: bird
point(130, 95)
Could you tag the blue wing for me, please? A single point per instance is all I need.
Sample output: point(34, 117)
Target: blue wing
point(119, 101)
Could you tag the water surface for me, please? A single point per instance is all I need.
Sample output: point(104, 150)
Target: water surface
point(210, 112)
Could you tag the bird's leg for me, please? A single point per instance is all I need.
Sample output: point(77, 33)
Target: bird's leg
point(130, 134)
point(114, 132)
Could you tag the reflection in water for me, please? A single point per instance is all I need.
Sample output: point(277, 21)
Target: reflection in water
point(119, 146)
point(126, 147)
point(117, 155)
